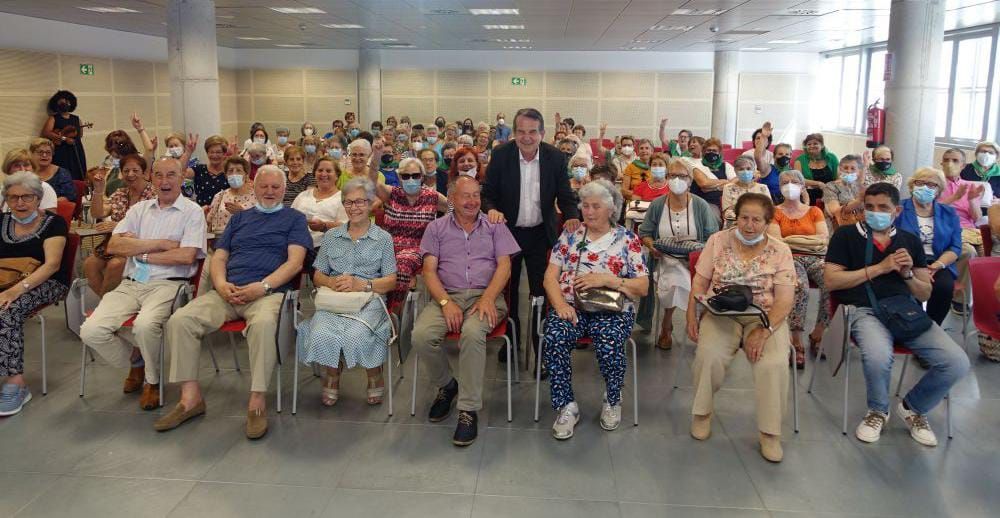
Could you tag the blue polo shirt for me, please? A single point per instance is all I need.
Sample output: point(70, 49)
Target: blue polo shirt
point(258, 243)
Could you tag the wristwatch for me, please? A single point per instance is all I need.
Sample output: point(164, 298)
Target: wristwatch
point(368, 286)
point(26, 286)
point(908, 277)
point(267, 287)
point(144, 258)
point(444, 302)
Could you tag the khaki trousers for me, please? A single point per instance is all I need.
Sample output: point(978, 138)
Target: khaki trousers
point(103, 330)
point(428, 336)
point(962, 266)
point(206, 314)
point(719, 340)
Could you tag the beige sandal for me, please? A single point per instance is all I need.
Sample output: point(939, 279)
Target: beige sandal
point(376, 394)
point(330, 394)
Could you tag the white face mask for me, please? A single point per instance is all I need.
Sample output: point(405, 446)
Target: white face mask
point(500, 122)
point(677, 186)
point(259, 140)
point(307, 132)
point(470, 173)
point(628, 150)
point(986, 159)
point(791, 191)
point(175, 151)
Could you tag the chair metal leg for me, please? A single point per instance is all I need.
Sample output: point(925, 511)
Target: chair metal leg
point(413, 398)
point(232, 343)
point(45, 370)
point(635, 384)
point(388, 380)
point(83, 366)
point(295, 383)
point(211, 354)
point(847, 384)
point(162, 356)
point(795, 394)
point(680, 362)
point(91, 353)
point(517, 375)
point(278, 388)
point(538, 375)
point(899, 384)
point(315, 369)
point(947, 402)
point(510, 415)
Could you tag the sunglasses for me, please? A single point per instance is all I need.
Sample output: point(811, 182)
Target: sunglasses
point(410, 176)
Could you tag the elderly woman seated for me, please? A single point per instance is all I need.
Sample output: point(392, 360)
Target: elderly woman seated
point(32, 243)
point(744, 255)
point(940, 233)
point(600, 255)
point(359, 157)
point(804, 226)
point(746, 181)
point(18, 159)
point(355, 257)
point(681, 216)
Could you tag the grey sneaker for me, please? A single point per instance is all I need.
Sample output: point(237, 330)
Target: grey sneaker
point(569, 415)
point(920, 429)
point(12, 398)
point(611, 416)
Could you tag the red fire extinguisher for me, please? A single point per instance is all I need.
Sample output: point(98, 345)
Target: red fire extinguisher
point(876, 126)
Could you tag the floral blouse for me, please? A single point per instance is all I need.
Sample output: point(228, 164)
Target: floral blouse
point(619, 252)
point(218, 215)
point(118, 201)
point(721, 263)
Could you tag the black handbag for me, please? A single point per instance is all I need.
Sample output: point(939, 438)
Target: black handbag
point(736, 297)
point(902, 315)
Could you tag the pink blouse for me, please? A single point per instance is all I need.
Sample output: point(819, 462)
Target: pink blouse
point(721, 263)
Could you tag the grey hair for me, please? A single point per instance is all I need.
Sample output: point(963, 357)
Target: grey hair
point(359, 184)
point(275, 170)
point(607, 193)
point(465, 140)
point(361, 143)
point(281, 129)
point(794, 175)
point(257, 148)
point(25, 179)
point(745, 159)
point(853, 158)
point(406, 162)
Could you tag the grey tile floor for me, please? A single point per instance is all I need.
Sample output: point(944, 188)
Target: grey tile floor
point(99, 456)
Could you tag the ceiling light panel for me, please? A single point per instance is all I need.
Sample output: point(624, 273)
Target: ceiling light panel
point(494, 12)
point(110, 10)
point(502, 27)
point(342, 26)
point(298, 10)
point(698, 12)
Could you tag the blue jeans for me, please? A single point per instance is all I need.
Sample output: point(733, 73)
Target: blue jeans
point(948, 362)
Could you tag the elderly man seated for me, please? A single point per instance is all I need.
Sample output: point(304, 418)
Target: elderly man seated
point(466, 268)
point(162, 238)
point(258, 255)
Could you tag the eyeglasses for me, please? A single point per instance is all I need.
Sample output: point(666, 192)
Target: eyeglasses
point(676, 176)
point(410, 176)
point(27, 198)
point(357, 155)
point(43, 153)
point(922, 183)
point(360, 203)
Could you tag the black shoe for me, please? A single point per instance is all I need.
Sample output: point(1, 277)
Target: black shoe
point(442, 403)
point(958, 308)
point(545, 374)
point(502, 353)
point(467, 429)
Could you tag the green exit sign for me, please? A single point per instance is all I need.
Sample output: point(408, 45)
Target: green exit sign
point(86, 69)
point(518, 81)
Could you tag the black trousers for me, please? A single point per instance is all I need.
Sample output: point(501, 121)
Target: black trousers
point(942, 288)
point(534, 257)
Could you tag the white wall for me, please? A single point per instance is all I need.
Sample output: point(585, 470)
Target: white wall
point(23, 32)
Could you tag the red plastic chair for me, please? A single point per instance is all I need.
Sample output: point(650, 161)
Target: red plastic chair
point(69, 264)
point(985, 307)
point(66, 209)
point(81, 192)
point(747, 144)
point(795, 154)
point(727, 146)
point(184, 294)
point(987, 240)
point(729, 155)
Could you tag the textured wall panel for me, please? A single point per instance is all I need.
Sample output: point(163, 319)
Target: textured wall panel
point(331, 82)
point(145, 105)
point(500, 84)
point(420, 109)
point(244, 107)
point(572, 84)
point(227, 81)
point(283, 82)
point(133, 77)
point(25, 72)
point(227, 108)
point(98, 109)
point(324, 110)
point(460, 83)
point(510, 106)
point(459, 108)
point(767, 87)
point(582, 111)
point(23, 115)
point(164, 112)
point(244, 81)
point(628, 113)
point(636, 132)
point(163, 78)
point(627, 84)
point(267, 108)
point(684, 85)
point(76, 83)
point(684, 114)
point(407, 82)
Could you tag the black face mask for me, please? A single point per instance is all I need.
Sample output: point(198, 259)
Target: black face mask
point(62, 107)
point(447, 161)
point(386, 158)
point(783, 161)
point(711, 157)
point(439, 124)
point(883, 166)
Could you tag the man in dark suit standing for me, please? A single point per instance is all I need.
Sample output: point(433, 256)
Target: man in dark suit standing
point(524, 180)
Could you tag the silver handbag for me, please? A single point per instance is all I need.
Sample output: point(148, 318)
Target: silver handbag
point(597, 300)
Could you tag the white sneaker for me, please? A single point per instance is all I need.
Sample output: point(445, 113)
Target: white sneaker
point(611, 416)
point(870, 428)
point(920, 429)
point(569, 415)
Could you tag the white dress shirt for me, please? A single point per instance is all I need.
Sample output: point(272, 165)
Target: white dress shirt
point(529, 213)
point(184, 222)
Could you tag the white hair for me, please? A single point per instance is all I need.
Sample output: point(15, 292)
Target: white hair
point(360, 143)
point(465, 140)
point(26, 179)
point(275, 170)
point(609, 196)
point(360, 184)
point(406, 162)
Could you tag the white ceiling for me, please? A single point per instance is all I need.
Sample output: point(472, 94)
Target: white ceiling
point(549, 24)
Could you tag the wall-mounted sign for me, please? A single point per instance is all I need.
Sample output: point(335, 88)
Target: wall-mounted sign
point(519, 81)
point(86, 69)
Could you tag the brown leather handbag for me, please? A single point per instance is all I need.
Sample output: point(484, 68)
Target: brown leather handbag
point(15, 269)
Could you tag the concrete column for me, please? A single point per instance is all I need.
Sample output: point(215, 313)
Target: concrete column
point(916, 30)
point(194, 68)
point(369, 86)
point(724, 96)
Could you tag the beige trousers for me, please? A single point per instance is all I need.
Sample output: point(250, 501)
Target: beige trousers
point(719, 340)
point(206, 314)
point(428, 336)
point(103, 330)
point(962, 265)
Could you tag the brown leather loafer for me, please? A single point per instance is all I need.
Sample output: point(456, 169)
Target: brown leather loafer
point(150, 398)
point(256, 423)
point(177, 416)
point(133, 382)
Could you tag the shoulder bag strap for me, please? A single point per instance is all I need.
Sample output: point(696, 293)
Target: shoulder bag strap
point(869, 245)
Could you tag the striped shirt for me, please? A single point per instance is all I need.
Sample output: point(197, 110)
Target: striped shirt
point(183, 222)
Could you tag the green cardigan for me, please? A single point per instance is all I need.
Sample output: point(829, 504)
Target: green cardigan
point(704, 219)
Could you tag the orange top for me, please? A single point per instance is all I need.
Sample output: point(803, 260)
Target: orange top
point(804, 226)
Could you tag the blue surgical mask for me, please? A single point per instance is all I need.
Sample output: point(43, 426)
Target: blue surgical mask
point(335, 152)
point(411, 186)
point(282, 140)
point(850, 177)
point(431, 139)
point(27, 219)
point(579, 173)
point(749, 242)
point(258, 161)
point(878, 220)
point(354, 132)
point(658, 172)
point(924, 194)
point(271, 210)
point(746, 175)
point(310, 148)
point(235, 180)
point(401, 137)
